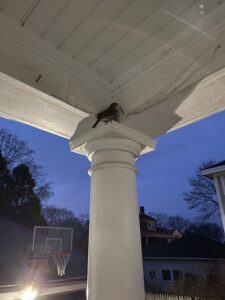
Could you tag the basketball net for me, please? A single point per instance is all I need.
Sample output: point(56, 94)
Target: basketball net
point(61, 259)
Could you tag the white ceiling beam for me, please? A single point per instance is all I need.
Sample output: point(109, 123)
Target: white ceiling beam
point(20, 102)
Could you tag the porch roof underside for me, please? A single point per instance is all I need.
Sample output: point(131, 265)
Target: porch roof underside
point(162, 61)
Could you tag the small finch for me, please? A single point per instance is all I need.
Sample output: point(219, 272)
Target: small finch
point(107, 115)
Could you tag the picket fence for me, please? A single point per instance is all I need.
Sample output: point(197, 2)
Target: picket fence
point(150, 296)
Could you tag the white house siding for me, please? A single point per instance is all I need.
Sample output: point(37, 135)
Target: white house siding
point(199, 268)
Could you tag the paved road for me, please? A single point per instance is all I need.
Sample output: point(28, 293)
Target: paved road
point(53, 287)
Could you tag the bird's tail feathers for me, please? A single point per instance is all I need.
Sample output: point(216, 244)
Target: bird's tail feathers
point(95, 123)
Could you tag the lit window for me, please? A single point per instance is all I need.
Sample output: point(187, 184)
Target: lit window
point(166, 275)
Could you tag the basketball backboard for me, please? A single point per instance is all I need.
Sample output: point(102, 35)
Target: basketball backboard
point(50, 240)
point(52, 243)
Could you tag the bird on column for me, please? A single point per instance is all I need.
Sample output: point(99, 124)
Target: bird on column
point(109, 114)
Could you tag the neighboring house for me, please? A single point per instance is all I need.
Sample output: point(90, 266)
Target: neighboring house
point(151, 232)
point(183, 265)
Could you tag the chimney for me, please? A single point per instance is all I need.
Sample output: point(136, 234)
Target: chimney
point(142, 210)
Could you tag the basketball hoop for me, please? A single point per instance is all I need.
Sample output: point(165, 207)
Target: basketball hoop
point(61, 259)
point(54, 243)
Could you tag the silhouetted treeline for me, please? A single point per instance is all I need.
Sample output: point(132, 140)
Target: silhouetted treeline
point(22, 184)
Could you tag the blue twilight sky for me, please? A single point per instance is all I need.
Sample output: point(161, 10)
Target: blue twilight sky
point(163, 174)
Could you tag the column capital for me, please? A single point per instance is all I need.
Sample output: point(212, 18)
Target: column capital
point(112, 153)
point(112, 135)
point(112, 144)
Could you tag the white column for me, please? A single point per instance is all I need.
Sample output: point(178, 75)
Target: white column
point(115, 270)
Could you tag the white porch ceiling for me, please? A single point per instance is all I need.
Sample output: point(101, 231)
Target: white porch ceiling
point(150, 56)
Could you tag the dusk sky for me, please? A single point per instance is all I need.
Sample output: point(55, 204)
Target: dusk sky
point(163, 174)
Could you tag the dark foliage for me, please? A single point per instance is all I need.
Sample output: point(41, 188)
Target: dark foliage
point(209, 230)
point(22, 183)
point(212, 287)
point(18, 200)
point(186, 226)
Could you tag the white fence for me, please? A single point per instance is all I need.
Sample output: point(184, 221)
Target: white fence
point(150, 296)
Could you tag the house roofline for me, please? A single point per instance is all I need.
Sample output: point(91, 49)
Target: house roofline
point(182, 258)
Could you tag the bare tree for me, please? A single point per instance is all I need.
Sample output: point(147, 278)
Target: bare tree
point(171, 222)
point(162, 219)
point(59, 217)
point(62, 217)
point(13, 149)
point(202, 196)
point(178, 222)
